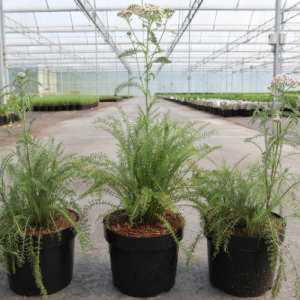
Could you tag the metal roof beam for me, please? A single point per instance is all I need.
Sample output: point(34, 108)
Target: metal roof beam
point(184, 25)
point(12, 30)
point(245, 38)
point(40, 39)
point(114, 9)
point(86, 7)
point(3, 68)
point(194, 8)
point(92, 51)
point(126, 44)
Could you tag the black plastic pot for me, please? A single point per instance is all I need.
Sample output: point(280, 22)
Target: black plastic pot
point(243, 271)
point(143, 267)
point(6, 119)
point(56, 261)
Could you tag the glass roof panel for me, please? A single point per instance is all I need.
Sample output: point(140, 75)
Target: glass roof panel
point(57, 31)
point(17, 4)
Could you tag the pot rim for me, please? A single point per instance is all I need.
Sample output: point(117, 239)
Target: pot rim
point(178, 232)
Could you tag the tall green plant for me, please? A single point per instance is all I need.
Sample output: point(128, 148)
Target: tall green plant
point(230, 201)
point(154, 154)
point(36, 192)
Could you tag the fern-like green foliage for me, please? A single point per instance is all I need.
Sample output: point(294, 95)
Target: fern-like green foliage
point(229, 199)
point(155, 157)
point(36, 188)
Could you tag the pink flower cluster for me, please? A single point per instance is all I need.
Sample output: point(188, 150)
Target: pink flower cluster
point(283, 83)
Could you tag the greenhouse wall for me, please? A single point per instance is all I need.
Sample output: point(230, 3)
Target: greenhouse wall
point(104, 83)
point(175, 81)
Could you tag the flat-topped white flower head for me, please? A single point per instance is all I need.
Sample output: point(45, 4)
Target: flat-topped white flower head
point(147, 11)
point(21, 75)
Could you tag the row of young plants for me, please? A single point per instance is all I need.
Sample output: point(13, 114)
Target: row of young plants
point(114, 98)
point(8, 111)
point(224, 108)
point(63, 102)
point(234, 104)
point(158, 169)
point(291, 96)
point(7, 114)
point(71, 102)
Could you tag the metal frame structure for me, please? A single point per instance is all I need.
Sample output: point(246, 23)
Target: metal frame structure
point(86, 7)
point(193, 9)
point(3, 70)
point(91, 39)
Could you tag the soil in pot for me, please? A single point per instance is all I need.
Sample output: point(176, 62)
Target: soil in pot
point(56, 262)
point(143, 258)
point(243, 271)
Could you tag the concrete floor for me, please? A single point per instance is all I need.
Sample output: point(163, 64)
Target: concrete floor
point(92, 276)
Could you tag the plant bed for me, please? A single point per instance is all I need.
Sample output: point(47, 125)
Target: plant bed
point(143, 258)
point(8, 118)
point(244, 270)
point(64, 107)
point(224, 108)
point(64, 102)
point(113, 98)
point(291, 97)
point(56, 260)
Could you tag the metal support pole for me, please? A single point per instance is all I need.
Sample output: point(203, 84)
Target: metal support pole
point(96, 50)
point(277, 46)
point(189, 56)
point(61, 83)
point(242, 76)
point(128, 87)
point(3, 71)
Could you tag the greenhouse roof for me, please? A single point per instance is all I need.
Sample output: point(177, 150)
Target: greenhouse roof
point(201, 35)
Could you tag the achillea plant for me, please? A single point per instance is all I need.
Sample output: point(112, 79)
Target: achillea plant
point(37, 196)
point(234, 202)
point(155, 154)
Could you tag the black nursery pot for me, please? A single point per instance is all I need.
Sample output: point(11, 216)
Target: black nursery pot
point(143, 267)
point(243, 271)
point(56, 261)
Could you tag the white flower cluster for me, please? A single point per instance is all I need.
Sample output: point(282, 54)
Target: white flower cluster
point(147, 11)
point(224, 104)
point(21, 75)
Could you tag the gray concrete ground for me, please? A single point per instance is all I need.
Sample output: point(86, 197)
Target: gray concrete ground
point(92, 276)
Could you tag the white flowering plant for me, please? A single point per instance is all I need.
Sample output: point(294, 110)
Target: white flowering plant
point(279, 86)
point(155, 153)
point(254, 202)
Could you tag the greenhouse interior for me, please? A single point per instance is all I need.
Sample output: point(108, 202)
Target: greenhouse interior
point(149, 149)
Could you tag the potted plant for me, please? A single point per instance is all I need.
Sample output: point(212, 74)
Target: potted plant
point(154, 158)
point(38, 215)
point(242, 214)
